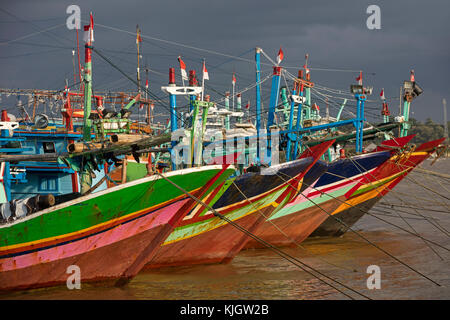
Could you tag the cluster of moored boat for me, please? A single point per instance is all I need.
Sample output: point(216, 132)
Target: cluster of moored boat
point(115, 196)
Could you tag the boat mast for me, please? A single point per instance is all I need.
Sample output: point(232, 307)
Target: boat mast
point(258, 100)
point(234, 85)
point(299, 123)
point(444, 104)
point(192, 83)
point(149, 108)
point(227, 107)
point(89, 38)
point(239, 106)
point(291, 121)
point(407, 98)
point(138, 40)
point(138, 76)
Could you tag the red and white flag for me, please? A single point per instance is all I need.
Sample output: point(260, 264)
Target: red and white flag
point(183, 69)
point(306, 68)
point(233, 80)
point(412, 76)
point(359, 79)
point(280, 56)
point(247, 106)
point(89, 31)
point(382, 94)
point(138, 38)
point(205, 72)
point(146, 84)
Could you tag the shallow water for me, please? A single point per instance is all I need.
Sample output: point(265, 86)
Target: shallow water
point(262, 274)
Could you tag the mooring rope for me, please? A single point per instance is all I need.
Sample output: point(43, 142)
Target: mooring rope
point(365, 239)
point(393, 193)
point(410, 207)
point(286, 235)
point(281, 253)
point(433, 173)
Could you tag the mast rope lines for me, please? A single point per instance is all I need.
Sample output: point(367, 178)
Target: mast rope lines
point(155, 97)
point(281, 253)
point(216, 52)
point(31, 34)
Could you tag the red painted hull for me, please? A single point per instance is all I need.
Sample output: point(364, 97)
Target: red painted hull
point(221, 242)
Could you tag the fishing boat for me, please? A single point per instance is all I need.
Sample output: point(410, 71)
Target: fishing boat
point(375, 185)
point(204, 237)
point(310, 208)
point(108, 235)
point(363, 196)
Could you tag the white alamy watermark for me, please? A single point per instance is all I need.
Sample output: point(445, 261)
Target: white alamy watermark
point(73, 21)
point(374, 280)
point(74, 279)
point(374, 20)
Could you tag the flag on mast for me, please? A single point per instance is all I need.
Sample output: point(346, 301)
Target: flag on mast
point(183, 69)
point(280, 56)
point(138, 36)
point(205, 72)
point(89, 31)
point(412, 76)
point(382, 95)
point(306, 68)
point(233, 80)
point(359, 79)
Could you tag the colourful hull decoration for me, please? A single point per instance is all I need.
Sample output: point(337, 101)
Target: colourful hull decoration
point(204, 238)
point(108, 235)
point(303, 214)
point(362, 197)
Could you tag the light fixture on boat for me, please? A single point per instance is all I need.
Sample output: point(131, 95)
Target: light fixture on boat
point(411, 90)
point(41, 121)
point(125, 114)
point(107, 114)
point(94, 116)
point(357, 88)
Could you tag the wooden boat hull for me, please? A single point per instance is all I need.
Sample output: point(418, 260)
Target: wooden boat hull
point(306, 212)
point(367, 193)
point(108, 235)
point(202, 238)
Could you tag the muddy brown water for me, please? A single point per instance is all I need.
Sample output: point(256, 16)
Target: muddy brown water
point(262, 274)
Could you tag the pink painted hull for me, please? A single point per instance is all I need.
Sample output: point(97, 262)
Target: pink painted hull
point(117, 248)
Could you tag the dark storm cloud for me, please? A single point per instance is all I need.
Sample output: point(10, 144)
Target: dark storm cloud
point(414, 35)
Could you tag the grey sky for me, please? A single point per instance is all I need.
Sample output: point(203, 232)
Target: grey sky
point(414, 35)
